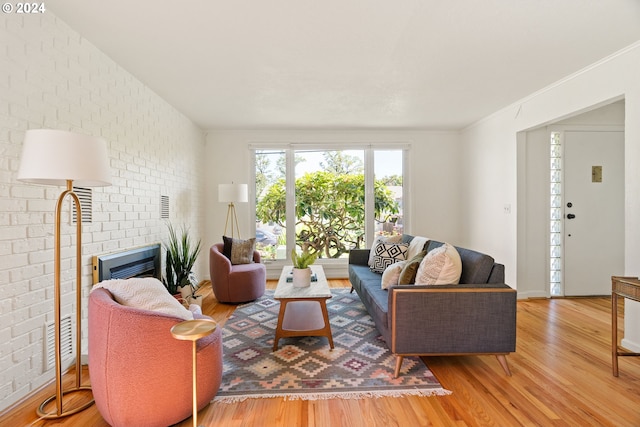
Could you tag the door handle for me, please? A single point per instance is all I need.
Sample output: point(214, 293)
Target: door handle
point(570, 216)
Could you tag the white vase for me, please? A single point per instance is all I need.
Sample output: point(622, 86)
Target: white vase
point(301, 277)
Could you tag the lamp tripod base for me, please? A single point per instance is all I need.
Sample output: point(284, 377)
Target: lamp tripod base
point(233, 218)
point(77, 404)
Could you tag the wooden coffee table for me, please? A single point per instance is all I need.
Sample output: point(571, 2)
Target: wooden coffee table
point(303, 311)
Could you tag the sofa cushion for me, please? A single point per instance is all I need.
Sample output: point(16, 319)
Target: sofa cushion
point(392, 274)
point(383, 239)
point(387, 254)
point(441, 266)
point(242, 251)
point(376, 300)
point(226, 248)
point(410, 269)
point(476, 266)
point(361, 273)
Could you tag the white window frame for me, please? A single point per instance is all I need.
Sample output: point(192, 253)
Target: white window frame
point(369, 148)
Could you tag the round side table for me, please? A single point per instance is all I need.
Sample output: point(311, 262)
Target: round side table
point(193, 330)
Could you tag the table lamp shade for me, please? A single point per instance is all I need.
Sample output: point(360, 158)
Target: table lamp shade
point(54, 157)
point(233, 193)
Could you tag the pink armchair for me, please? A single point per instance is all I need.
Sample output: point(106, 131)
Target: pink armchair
point(140, 374)
point(236, 283)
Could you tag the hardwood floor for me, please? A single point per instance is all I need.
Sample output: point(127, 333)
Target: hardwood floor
point(561, 377)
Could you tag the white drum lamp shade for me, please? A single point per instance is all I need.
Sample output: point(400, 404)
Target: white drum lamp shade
point(53, 157)
point(233, 193)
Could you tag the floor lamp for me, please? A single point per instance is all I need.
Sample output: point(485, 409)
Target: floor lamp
point(232, 193)
point(54, 157)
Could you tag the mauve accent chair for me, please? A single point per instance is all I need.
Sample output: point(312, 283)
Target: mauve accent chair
point(236, 283)
point(140, 375)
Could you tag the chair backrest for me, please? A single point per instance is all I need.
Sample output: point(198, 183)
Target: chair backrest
point(129, 346)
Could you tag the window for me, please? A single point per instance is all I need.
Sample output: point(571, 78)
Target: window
point(389, 176)
point(330, 201)
point(555, 215)
point(271, 204)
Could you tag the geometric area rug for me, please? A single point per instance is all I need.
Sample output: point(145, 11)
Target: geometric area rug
point(360, 365)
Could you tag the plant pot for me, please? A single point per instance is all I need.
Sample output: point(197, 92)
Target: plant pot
point(301, 277)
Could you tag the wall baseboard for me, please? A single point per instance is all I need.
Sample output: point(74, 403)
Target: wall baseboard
point(630, 345)
point(532, 295)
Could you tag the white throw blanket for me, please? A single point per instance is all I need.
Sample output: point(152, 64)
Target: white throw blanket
point(416, 245)
point(146, 293)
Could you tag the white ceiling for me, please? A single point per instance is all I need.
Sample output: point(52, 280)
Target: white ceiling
point(430, 64)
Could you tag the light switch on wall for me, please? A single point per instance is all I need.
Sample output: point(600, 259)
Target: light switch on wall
point(507, 208)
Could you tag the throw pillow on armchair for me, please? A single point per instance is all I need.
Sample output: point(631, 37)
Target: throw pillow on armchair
point(239, 251)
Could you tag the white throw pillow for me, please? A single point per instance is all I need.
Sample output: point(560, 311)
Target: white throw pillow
point(441, 266)
point(391, 274)
point(146, 293)
point(382, 239)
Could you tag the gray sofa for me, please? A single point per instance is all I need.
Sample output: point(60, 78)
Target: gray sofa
point(477, 316)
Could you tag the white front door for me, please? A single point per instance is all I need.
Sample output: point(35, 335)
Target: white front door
point(593, 211)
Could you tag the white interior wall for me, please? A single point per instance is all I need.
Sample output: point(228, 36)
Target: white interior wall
point(433, 178)
point(607, 115)
point(52, 78)
point(496, 137)
point(533, 214)
point(533, 194)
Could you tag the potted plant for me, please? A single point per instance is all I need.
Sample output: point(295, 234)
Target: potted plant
point(301, 269)
point(181, 255)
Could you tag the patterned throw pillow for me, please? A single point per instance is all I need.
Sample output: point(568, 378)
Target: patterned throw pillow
point(382, 239)
point(242, 251)
point(441, 266)
point(386, 254)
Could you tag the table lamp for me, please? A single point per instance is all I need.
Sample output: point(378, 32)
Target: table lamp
point(61, 158)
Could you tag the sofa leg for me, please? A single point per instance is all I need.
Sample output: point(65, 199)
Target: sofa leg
point(502, 359)
point(351, 291)
point(399, 360)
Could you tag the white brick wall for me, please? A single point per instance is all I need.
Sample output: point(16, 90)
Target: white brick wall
point(50, 77)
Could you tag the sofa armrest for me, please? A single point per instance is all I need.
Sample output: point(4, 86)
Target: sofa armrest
point(359, 256)
point(452, 319)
